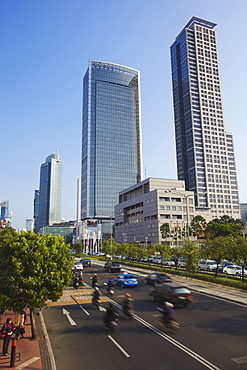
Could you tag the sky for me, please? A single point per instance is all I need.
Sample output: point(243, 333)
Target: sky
point(45, 47)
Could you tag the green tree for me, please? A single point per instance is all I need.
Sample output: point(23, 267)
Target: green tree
point(110, 247)
point(165, 230)
point(238, 253)
point(219, 248)
point(78, 248)
point(191, 254)
point(198, 225)
point(224, 226)
point(33, 270)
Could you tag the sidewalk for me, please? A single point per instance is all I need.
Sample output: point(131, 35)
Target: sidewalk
point(27, 355)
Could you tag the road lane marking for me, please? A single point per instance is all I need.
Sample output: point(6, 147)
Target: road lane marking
point(182, 347)
point(118, 345)
point(67, 313)
point(87, 313)
point(29, 362)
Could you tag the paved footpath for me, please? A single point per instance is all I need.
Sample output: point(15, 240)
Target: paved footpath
point(36, 354)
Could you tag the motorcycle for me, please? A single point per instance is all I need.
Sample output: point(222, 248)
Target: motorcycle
point(129, 311)
point(109, 290)
point(76, 284)
point(112, 325)
point(96, 302)
point(169, 323)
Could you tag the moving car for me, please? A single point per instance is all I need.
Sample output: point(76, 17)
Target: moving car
point(233, 270)
point(77, 266)
point(86, 262)
point(112, 266)
point(126, 279)
point(157, 278)
point(174, 293)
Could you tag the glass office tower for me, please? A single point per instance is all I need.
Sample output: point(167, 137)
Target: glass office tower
point(111, 137)
point(205, 152)
point(50, 191)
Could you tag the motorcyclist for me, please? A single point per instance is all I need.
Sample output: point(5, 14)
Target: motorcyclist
point(76, 282)
point(128, 304)
point(111, 314)
point(80, 278)
point(168, 312)
point(110, 285)
point(94, 280)
point(96, 294)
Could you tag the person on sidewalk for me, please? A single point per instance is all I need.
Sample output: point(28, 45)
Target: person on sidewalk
point(8, 329)
point(20, 321)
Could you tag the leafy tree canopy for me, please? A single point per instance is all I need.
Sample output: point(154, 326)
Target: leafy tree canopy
point(33, 269)
point(224, 226)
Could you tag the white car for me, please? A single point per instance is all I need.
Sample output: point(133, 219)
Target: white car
point(233, 270)
point(77, 266)
point(208, 265)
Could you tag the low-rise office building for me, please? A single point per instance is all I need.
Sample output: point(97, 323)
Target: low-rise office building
point(145, 206)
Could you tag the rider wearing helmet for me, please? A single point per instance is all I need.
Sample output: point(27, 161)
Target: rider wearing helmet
point(110, 284)
point(168, 312)
point(111, 314)
point(94, 280)
point(128, 303)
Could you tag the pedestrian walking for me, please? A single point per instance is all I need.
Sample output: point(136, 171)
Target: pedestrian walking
point(8, 329)
point(20, 322)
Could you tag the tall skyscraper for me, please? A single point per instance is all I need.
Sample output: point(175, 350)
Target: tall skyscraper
point(50, 195)
point(205, 152)
point(111, 137)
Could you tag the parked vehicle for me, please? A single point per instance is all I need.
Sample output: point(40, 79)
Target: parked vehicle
point(182, 262)
point(234, 270)
point(157, 278)
point(207, 265)
point(156, 259)
point(112, 266)
point(174, 293)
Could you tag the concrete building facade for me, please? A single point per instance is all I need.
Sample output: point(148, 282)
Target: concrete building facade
point(205, 151)
point(144, 207)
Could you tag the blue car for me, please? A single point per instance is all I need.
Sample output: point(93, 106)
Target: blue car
point(126, 279)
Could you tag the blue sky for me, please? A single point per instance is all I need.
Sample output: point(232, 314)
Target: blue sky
point(45, 47)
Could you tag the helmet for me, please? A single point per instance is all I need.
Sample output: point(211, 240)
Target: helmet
point(110, 280)
point(96, 288)
point(95, 274)
point(168, 304)
point(128, 295)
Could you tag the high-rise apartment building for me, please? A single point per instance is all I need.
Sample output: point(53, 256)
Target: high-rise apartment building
point(205, 151)
point(111, 137)
point(50, 191)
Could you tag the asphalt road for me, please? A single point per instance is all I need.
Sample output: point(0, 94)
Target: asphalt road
point(212, 334)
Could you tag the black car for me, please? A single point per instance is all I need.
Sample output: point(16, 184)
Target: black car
point(86, 262)
point(157, 278)
point(174, 293)
point(112, 266)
